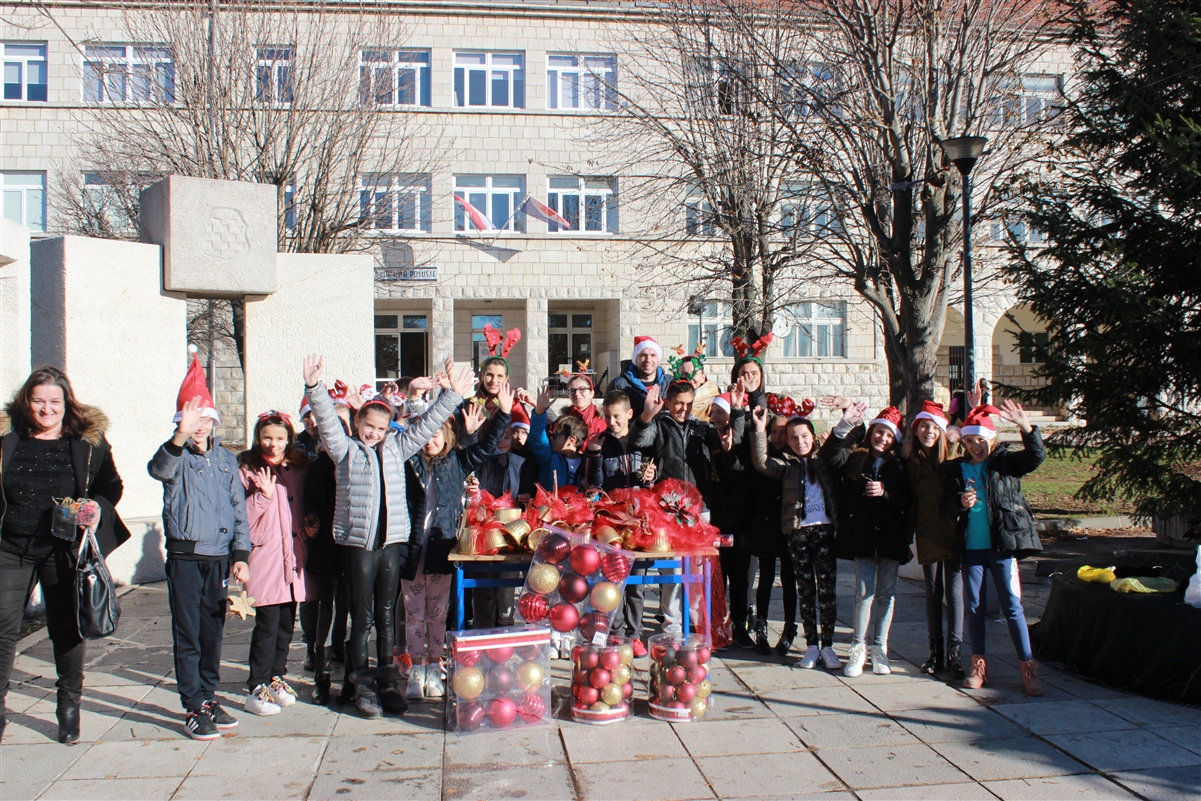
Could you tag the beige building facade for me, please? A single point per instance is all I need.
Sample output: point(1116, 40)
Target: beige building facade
point(503, 88)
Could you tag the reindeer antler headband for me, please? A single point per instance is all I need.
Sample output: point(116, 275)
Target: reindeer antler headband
point(499, 348)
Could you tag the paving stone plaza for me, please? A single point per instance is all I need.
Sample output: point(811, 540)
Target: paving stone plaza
point(775, 732)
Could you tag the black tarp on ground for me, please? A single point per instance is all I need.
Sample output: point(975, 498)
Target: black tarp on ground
point(1148, 644)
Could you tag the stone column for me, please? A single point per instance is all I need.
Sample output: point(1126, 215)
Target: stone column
point(537, 364)
point(442, 331)
point(14, 307)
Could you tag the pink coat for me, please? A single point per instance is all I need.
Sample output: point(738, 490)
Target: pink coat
point(277, 541)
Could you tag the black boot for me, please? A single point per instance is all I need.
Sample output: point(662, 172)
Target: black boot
point(761, 646)
point(741, 638)
point(390, 695)
point(785, 644)
point(934, 660)
point(68, 724)
point(366, 697)
point(321, 684)
point(346, 694)
point(310, 660)
point(955, 661)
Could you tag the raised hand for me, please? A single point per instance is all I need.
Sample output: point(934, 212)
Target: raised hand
point(473, 417)
point(854, 413)
point(1014, 413)
point(419, 385)
point(190, 418)
point(353, 399)
point(759, 415)
point(526, 397)
point(727, 438)
point(465, 383)
point(738, 395)
point(654, 404)
point(314, 366)
point(266, 482)
point(839, 402)
point(544, 399)
point(976, 395)
point(504, 398)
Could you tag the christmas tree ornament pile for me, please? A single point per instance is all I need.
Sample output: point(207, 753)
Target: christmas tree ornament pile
point(602, 681)
point(679, 687)
point(499, 679)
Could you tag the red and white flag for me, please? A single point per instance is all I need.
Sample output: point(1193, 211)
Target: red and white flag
point(539, 210)
point(478, 219)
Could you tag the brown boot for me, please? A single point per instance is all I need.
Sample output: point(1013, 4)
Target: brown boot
point(1030, 681)
point(979, 675)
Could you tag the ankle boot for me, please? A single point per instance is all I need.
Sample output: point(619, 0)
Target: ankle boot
point(979, 675)
point(346, 694)
point(1030, 682)
point(68, 724)
point(955, 660)
point(935, 660)
point(786, 638)
point(321, 684)
point(761, 646)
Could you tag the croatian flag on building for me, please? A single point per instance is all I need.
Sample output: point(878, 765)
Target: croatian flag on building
point(478, 219)
point(539, 210)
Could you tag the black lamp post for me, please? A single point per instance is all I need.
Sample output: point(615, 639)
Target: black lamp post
point(964, 152)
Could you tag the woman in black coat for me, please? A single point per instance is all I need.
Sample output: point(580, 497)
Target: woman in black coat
point(55, 450)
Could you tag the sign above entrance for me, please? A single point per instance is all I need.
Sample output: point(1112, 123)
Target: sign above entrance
point(408, 274)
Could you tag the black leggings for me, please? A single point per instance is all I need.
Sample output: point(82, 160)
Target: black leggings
point(767, 577)
point(269, 642)
point(374, 576)
point(737, 568)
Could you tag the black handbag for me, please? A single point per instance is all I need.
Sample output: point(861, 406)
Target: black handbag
point(98, 609)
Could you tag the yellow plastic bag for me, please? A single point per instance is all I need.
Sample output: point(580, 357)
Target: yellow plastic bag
point(1144, 584)
point(1097, 575)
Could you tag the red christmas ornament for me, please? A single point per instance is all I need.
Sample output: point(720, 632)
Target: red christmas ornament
point(500, 655)
point(585, 560)
point(666, 693)
point(573, 588)
point(688, 658)
point(599, 678)
point(533, 608)
point(615, 567)
point(697, 674)
point(502, 712)
point(532, 708)
point(531, 652)
point(500, 680)
point(471, 716)
point(554, 548)
point(564, 617)
point(610, 659)
point(588, 659)
point(467, 658)
point(627, 690)
point(686, 692)
point(676, 675)
point(588, 695)
point(592, 623)
point(703, 654)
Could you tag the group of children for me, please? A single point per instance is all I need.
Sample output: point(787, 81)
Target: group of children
point(360, 512)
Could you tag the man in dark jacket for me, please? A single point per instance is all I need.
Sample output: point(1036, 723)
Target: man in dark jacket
point(733, 513)
point(643, 374)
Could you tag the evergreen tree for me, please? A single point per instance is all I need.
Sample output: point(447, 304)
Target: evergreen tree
point(1119, 202)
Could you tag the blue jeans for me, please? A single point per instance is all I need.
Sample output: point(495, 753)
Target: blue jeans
point(1004, 569)
point(875, 589)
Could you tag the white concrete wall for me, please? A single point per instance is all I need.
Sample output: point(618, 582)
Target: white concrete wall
point(14, 307)
point(100, 315)
point(324, 305)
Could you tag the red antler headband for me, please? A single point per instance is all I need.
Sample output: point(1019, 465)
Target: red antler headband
point(753, 351)
point(498, 348)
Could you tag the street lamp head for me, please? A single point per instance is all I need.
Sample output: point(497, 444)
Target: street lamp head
point(964, 151)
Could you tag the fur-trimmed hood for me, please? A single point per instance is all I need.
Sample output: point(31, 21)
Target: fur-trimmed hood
point(95, 424)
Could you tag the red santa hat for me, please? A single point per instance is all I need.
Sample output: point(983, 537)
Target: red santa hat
point(722, 402)
point(647, 343)
point(931, 411)
point(195, 386)
point(890, 418)
point(519, 418)
point(305, 407)
point(978, 423)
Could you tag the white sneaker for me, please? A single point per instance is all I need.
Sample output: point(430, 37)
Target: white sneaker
point(880, 661)
point(414, 691)
point(259, 702)
point(830, 660)
point(281, 692)
point(432, 684)
point(855, 660)
point(809, 660)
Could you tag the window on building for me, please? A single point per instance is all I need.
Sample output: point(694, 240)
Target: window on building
point(109, 200)
point(699, 219)
point(25, 199)
point(712, 327)
point(1015, 231)
point(807, 88)
point(581, 82)
point(1035, 100)
point(25, 71)
point(806, 211)
point(479, 345)
point(813, 328)
point(396, 202)
point(490, 80)
point(395, 77)
point(128, 74)
point(400, 346)
point(273, 76)
point(1032, 347)
point(291, 213)
point(496, 197)
point(588, 204)
point(569, 340)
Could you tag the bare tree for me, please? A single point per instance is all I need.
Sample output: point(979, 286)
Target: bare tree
point(301, 95)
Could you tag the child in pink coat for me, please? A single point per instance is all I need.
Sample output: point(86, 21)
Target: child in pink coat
point(273, 473)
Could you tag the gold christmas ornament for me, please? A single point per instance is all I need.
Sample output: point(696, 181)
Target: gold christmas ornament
point(607, 534)
point(699, 707)
point(468, 683)
point(606, 596)
point(621, 675)
point(506, 515)
point(241, 606)
point(661, 543)
point(495, 541)
point(530, 676)
point(544, 513)
point(627, 654)
point(611, 694)
point(543, 578)
point(467, 541)
point(531, 542)
point(703, 689)
point(517, 529)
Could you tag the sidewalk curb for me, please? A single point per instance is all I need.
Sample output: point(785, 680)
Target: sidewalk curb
point(1066, 523)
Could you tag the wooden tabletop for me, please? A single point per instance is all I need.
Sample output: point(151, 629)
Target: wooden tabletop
point(523, 558)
